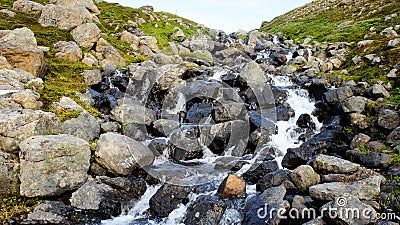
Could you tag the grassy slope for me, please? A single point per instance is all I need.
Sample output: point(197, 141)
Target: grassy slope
point(328, 22)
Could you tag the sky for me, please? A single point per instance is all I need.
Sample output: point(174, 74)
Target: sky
point(226, 15)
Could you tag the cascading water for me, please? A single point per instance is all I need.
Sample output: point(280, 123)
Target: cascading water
point(286, 137)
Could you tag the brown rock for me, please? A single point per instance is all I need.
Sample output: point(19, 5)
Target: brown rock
point(232, 187)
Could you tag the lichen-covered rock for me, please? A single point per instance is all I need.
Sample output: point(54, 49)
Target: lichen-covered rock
point(121, 154)
point(355, 104)
point(388, 119)
point(330, 164)
point(85, 126)
point(28, 99)
point(111, 56)
point(92, 76)
point(86, 35)
point(68, 50)
point(150, 42)
point(49, 212)
point(53, 164)
point(304, 177)
point(18, 125)
point(27, 6)
point(20, 36)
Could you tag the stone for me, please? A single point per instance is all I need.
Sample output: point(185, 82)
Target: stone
point(20, 36)
point(16, 126)
point(388, 119)
point(4, 64)
point(85, 126)
point(205, 210)
point(27, 58)
point(273, 179)
point(394, 43)
point(121, 154)
point(58, 162)
point(28, 99)
point(178, 35)
point(355, 104)
point(146, 51)
point(361, 213)
point(393, 72)
point(9, 13)
point(388, 32)
point(110, 54)
point(162, 59)
point(67, 104)
point(394, 136)
point(167, 198)
point(130, 38)
point(170, 74)
point(49, 212)
point(201, 42)
point(150, 42)
point(359, 120)
point(377, 91)
point(256, 172)
point(128, 112)
point(92, 76)
point(364, 189)
point(374, 160)
point(253, 74)
point(232, 187)
point(68, 50)
point(9, 167)
point(86, 35)
point(126, 188)
point(330, 164)
point(305, 121)
point(27, 6)
point(304, 177)
point(90, 60)
point(359, 139)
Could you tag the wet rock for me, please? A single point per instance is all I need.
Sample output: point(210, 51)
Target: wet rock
point(342, 204)
point(259, 208)
point(9, 167)
point(205, 210)
point(85, 126)
point(359, 139)
point(272, 179)
point(169, 74)
point(86, 35)
point(284, 112)
point(305, 121)
point(363, 189)
point(330, 164)
point(335, 96)
point(232, 187)
point(98, 198)
point(388, 119)
point(297, 156)
point(167, 198)
point(126, 188)
point(256, 172)
point(57, 162)
point(317, 90)
point(355, 104)
point(165, 126)
point(377, 91)
point(27, 99)
point(304, 177)
point(16, 126)
point(27, 6)
point(229, 112)
point(49, 212)
point(374, 160)
point(121, 154)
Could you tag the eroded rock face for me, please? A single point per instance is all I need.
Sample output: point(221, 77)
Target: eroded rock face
point(121, 154)
point(53, 164)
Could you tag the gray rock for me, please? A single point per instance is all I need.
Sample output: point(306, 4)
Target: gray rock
point(288, 70)
point(92, 76)
point(388, 119)
point(342, 204)
point(57, 162)
point(389, 32)
point(27, 6)
point(86, 35)
point(394, 136)
point(168, 75)
point(393, 72)
point(85, 126)
point(20, 36)
point(205, 210)
point(374, 160)
point(167, 198)
point(126, 188)
point(68, 50)
point(178, 35)
point(67, 104)
point(201, 42)
point(364, 189)
point(304, 177)
point(9, 167)
point(272, 179)
point(316, 221)
point(359, 139)
point(90, 60)
point(162, 59)
point(135, 131)
point(16, 126)
point(150, 42)
point(253, 74)
point(355, 104)
point(111, 56)
point(49, 212)
point(377, 91)
point(130, 38)
point(338, 95)
point(129, 111)
point(121, 154)
point(394, 43)
point(110, 127)
point(27, 99)
point(329, 164)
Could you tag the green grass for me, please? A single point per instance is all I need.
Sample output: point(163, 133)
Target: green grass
point(11, 207)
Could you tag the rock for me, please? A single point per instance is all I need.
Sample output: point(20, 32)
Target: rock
point(394, 43)
point(205, 210)
point(85, 126)
point(377, 91)
point(359, 120)
point(388, 119)
point(359, 139)
point(335, 96)
point(9, 13)
point(96, 196)
point(110, 54)
point(296, 156)
point(67, 104)
point(130, 38)
point(393, 72)
point(20, 36)
point(256, 172)
point(284, 112)
point(364, 43)
point(92, 76)
point(260, 208)
point(341, 206)
point(355, 104)
point(4, 64)
point(49, 212)
point(65, 17)
point(374, 160)
point(28, 58)
point(28, 99)
point(273, 179)
point(86, 35)
point(253, 74)
point(169, 74)
point(9, 167)
point(330, 164)
point(304, 177)
point(58, 162)
point(121, 154)
point(162, 59)
point(167, 198)
point(178, 35)
point(110, 127)
point(90, 60)
point(316, 221)
point(135, 131)
point(128, 112)
point(305, 121)
point(16, 126)
point(68, 50)
point(394, 136)
point(126, 188)
point(388, 32)
point(232, 187)
point(364, 189)
point(150, 42)
point(27, 6)
point(375, 146)
point(146, 51)
point(201, 42)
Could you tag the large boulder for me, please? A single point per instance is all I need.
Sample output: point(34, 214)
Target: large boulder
point(128, 112)
point(16, 126)
point(121, 154)
point(27, 6)
point(86, 35)
point(8, 174)
point(85, 126)
point(168, 75)
point(388, 119)
point(150, 42)
point(20, 36)
point(68, 50)
point(355, 104)
point(53, 164)
point(49, 212)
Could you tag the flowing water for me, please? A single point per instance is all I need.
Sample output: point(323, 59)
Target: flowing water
point(286, 137)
